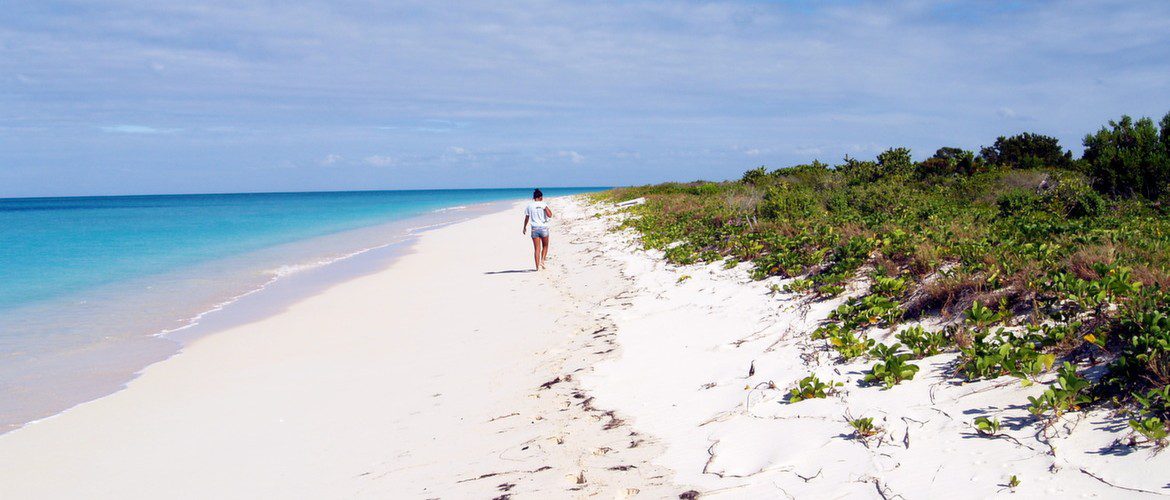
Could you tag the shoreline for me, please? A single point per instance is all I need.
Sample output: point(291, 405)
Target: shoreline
point(370, 386)
point(281, 288)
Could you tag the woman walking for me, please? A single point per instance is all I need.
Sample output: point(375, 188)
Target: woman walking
point(537, 214)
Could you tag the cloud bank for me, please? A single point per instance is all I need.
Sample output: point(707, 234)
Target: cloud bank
point(630, 92)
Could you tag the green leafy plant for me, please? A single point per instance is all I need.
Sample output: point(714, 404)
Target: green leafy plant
point(1068, 392)
point(1082, 246)
point(1155, 401)
point(683, 278)
point(863, 428)
point(923, 343)
point(1001, 353)
point(811, 387)
point(888, 286)
point(850, 345)
point(1013, 482)
point(1151, 428)
point(831, 290)
point(799, 285)
point(987, 426)
point(1025, 363)
point(870, 310)
point(982, 316)
point(892, 369)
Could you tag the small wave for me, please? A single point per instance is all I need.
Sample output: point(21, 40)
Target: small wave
point(418, 229)
point(194, 320)
point(290, 269)
point(274, 276)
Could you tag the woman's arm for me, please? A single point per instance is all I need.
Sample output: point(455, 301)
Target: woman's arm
point(524, 230)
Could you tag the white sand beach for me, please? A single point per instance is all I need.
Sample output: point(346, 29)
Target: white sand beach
point(422, 380)
point(452, 375)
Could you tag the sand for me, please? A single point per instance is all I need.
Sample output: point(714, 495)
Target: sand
point(451, 375)
point(421, 380)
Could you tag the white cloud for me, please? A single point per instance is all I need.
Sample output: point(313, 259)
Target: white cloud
point(331, 159)
point(380, 161)
point(676, 81)
point(139, 129)
point(573, 156)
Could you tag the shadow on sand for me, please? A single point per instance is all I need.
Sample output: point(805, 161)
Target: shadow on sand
point(511, 271)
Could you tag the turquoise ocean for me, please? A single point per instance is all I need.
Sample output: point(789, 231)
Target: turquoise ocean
point(93, 289)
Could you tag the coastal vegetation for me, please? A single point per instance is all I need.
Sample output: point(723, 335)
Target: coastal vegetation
point(812, 387)
point(1029, 262)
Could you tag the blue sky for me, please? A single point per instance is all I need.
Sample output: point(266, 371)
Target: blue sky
point(125, 97)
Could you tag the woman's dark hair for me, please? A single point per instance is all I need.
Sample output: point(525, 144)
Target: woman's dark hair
point(537, 194)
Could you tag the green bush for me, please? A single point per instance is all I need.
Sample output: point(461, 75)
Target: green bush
point(786, 201)
point(1024, 235)
point(1027, 151)
point(755, 175)
point(1130, 158)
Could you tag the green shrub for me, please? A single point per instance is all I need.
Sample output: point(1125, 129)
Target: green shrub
point(755, 175)
point(1130, 158)
point(1027, 150)
point(787, 201)
point(1019, 223)
point(1018, 202)
point(1072, 196)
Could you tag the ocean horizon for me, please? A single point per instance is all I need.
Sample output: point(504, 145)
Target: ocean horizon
point(95, 285)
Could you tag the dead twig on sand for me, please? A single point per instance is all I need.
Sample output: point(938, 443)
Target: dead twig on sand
point(1127, 488)
point(493, 474)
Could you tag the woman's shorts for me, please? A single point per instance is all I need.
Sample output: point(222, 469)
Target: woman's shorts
point(540, 232)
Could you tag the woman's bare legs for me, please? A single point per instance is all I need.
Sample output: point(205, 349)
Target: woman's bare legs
point(536, 251)
point(544, 251)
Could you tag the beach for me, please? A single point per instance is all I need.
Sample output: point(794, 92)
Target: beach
point(414, 381)
point(456, 373)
